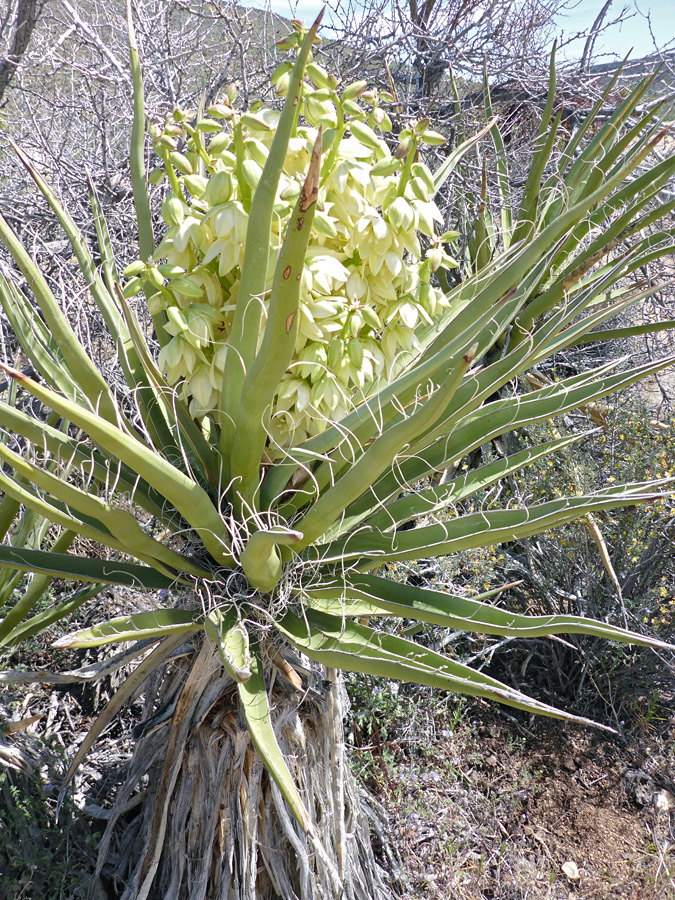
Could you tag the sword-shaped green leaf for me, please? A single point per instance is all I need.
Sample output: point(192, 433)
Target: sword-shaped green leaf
point(257, 714)
point(498, 417)
point(40, 622)
point(380, 455)
point(449, 164)
point(80, 367)
point(346, 645)
point(191, 501)
point(480, 529)
point(70, 452)
point(105, 247)
point(35, 590)
point(435, 500)
point(157, 623)
point(229, 635)
point(121, 523)
point(391, 598)
point(80, 568)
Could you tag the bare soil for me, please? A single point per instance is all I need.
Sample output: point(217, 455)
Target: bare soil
point(562, 813)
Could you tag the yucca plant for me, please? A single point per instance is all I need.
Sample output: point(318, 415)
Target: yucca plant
point(261, 472)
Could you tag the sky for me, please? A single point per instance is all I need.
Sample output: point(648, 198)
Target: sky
point(633, 33)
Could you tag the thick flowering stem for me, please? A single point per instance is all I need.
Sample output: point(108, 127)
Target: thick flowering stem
point(249, 312)
point(279, 340)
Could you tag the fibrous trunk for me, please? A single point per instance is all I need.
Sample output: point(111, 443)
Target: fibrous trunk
point(198, 817)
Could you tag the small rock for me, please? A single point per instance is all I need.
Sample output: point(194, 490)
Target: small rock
point(664, 801)
point(571, 870)
point(639, 786)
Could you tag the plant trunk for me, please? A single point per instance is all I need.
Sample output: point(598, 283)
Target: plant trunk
point(198, 818)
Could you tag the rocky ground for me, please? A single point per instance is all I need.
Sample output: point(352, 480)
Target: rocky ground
point(492, 812)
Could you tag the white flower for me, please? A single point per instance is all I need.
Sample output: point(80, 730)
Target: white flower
point(364, 287)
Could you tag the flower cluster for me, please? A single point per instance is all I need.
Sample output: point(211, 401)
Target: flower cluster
point(367, 281)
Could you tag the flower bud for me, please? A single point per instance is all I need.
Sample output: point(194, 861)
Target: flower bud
point(219, 188)
point(173, 210)
point(282, 85)
point(181, 163)
point(386, 123)
point(419, 170)
point(187, 288)
point(318, 391)
point(371, 318)
point(164, 142)
point(288, 42)
point(427, 297)
point(170, 271)
point(435, 258)
point(355, 352)
point(154, 277)
point(251, 172)
point(350, 108)
point(219, 143)
point(196, 184)
point(320, 112)
point(404, 148)
point(355, 323)
point(256, 151)
point(364, 134)
point(336, 352)
point(155, 304)
point(255, 123)
point(318, 75)
point(320, 94)
point(400, 214)
point(386, 166)
point(291, 191)
point(132, 287)
point(420, 188)
point(354, 90)
point(156, 175)
point(176, 319)
point(134, 268)
point(219, 111)
point(434, 139)
point(282, 69)
point(207, 126)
